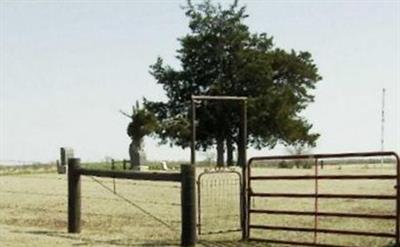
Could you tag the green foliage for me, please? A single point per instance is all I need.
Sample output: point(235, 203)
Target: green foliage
point(300, 164)
point(306, 164)
point(220, 56)
point(143, 123)
point(285, 165)
point(300, 149)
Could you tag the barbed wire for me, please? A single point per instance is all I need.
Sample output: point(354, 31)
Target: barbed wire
point(134, 205)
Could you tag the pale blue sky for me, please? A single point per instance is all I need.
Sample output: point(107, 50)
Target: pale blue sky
point(67, 67)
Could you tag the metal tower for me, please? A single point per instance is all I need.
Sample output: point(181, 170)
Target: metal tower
point(383, 122)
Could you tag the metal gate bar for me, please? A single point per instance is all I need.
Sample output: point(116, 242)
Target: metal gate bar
point(316, 177)
point(274, 241)
point(324, 214)
point(352, 177)
point(329, 231)
point(332, 196)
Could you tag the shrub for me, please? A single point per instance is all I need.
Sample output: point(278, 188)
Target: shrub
point(285, 165)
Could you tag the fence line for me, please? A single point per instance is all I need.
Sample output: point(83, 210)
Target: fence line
point(133, 204)
point(187, 178)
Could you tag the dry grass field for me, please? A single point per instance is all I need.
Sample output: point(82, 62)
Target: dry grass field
point(33, 210)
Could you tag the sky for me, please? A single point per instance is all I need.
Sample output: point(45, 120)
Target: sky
point(68, 67)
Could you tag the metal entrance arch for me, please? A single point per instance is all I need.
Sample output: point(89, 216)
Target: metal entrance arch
point(242, 143)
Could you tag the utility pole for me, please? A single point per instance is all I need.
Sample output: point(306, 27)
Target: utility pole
point(383, 123)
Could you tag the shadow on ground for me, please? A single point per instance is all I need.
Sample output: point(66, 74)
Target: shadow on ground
point(84, 241)
point(223, 243)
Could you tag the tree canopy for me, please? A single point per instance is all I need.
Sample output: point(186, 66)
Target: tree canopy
point(143, 123)
point(220, 56)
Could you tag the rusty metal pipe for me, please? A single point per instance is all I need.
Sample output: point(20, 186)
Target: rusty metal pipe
point(327, 231)
point(275, 241)
point(333, 196)
point(323, 214)
point(316, 195)
point(333, 177)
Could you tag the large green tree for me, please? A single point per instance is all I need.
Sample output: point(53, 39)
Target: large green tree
point(220, 56)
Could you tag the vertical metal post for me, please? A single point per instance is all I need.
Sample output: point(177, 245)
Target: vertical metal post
point(74, 196)
point(188, 200)
point(383, 125)
point(193, 144)
point(199, 205)
point(397, 200)
point(316, 200)
point(243, 164)
point(242, 157)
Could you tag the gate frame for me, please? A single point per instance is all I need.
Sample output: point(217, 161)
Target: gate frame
point(316, 195)
point(242, 147)
point(241, 198)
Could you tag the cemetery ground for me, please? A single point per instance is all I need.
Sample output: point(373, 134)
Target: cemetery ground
point(33, 210)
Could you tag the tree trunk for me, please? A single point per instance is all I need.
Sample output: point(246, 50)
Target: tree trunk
point(239, 157)
point(229, 151)
point(134, 154)
point(220, 152)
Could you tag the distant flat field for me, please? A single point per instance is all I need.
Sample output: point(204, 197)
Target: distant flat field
point(33, 210)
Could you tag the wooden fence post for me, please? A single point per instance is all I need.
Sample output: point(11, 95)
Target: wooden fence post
point(188, 199)
point(245, 205)
point(112, 164)
point(74, 196)
point(124, 164)
point(113, 168)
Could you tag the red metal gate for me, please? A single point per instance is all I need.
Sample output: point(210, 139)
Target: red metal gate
point(316, 195)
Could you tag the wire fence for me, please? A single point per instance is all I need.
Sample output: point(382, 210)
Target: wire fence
point(154, 204)
point(133, 204)
point(219, 202)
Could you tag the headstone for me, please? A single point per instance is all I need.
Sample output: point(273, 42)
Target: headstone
point(137, 155)
point(65, 154)
point(164, 166)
